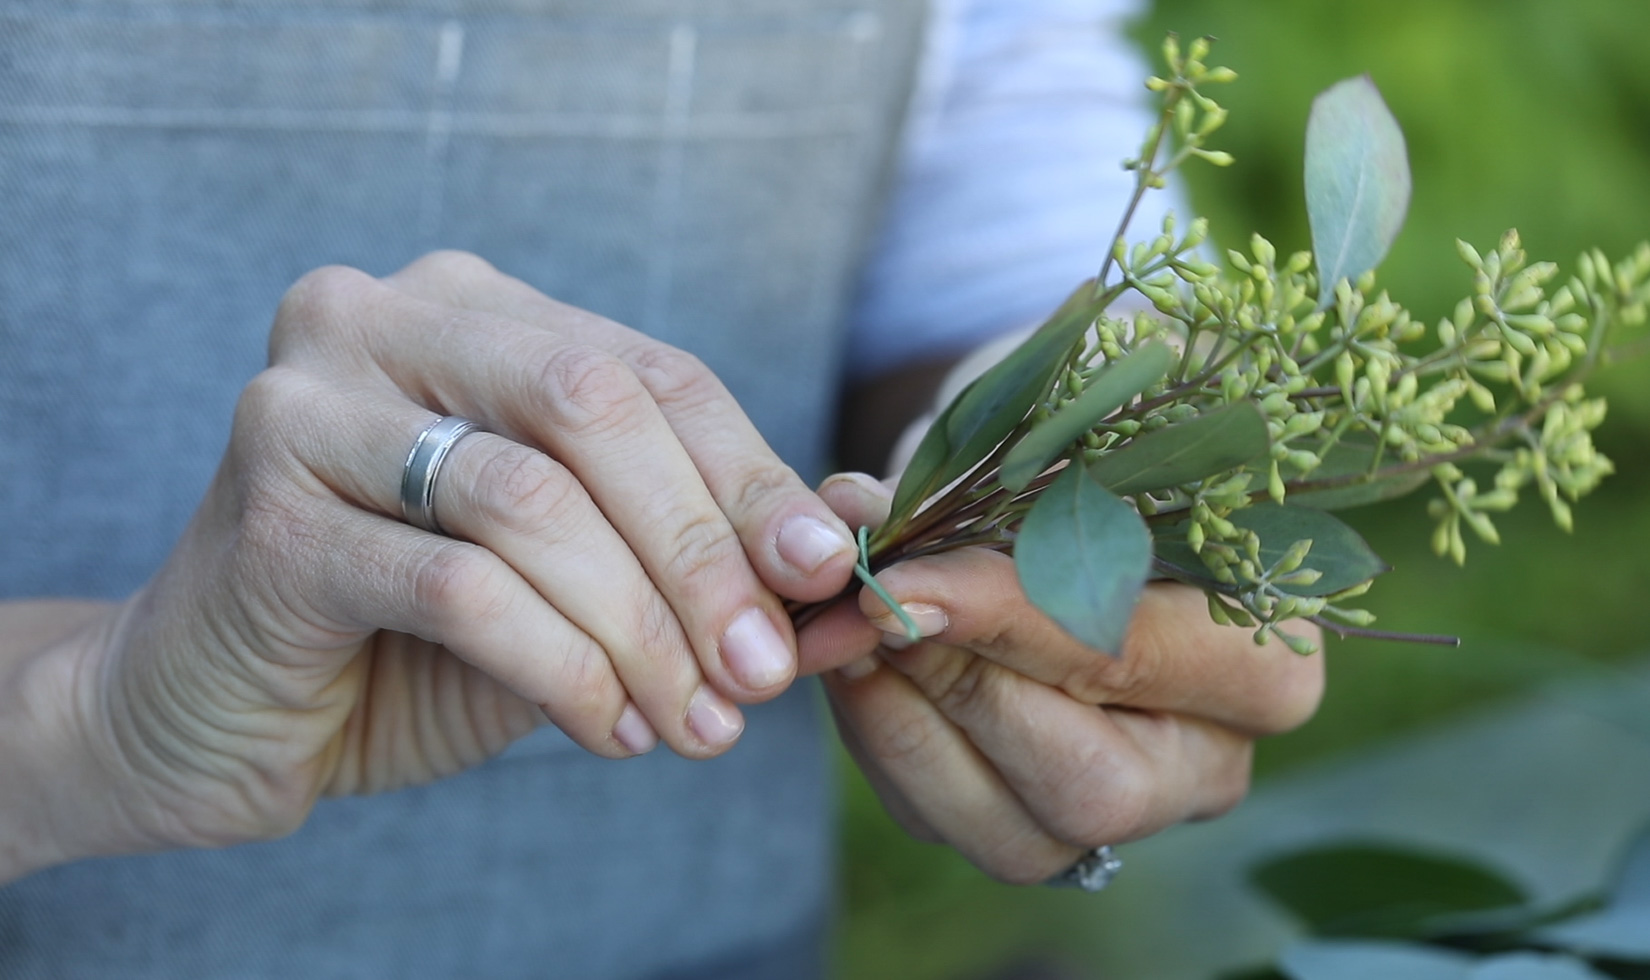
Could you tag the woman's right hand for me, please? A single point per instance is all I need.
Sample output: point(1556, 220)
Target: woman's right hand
point(621, 540)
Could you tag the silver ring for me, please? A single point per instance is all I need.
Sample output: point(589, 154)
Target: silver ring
point(1092, 872)
point(429, 451)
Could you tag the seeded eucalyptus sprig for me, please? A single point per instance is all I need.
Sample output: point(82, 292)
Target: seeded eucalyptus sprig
point(1207, 437)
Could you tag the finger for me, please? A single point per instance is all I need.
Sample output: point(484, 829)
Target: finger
point(363, 573)
point(529, 511)
point(590, 412)
point(1088, 776)
point(840, 635)
point(1175, 658)
point(861, 500)
point(951, 787)
point(798, 547)
point(892, 800)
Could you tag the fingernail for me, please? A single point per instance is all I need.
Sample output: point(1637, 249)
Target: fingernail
point(755, 653)
point(633, 732)
point(806, 543)
point(931, 620)
point(854, 670)
point(864, 481)
point(713, 719)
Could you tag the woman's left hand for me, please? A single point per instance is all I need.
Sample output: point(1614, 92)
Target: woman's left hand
point(1002, 736)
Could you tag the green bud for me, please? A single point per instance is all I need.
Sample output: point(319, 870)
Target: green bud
point(1184, 114)
point(1464, 316)
point(1440, 539)
point(1219, 158)
point(1263, 251)
point(1482, 398)
point(1482, 526)
point(1345, 372)
point(1220, 76)
point(1304, 460)
point(1298, 644)
point(1354, 617)
point(1303, 577)
point(1561, 514)
point(1293, 557)
point(1274, 484)
point(1194, 536)
point(1171, 51)
point(1217, 610)
point(1469, 255)
point(1353, 592)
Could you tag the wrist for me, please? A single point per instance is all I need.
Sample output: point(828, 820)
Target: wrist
point(54, 807)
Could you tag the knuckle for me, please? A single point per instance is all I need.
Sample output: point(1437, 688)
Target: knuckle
point(760, 483)
point(675, 377)
point(657, 634)
point(269, 397)
point(456, 585)
point(584, 690)
point(450, 264)
point(959, 685)
point(906, 742)
point(316, 304)
point(1124, 679)
point(1117, 809)
point(591, 392)
point(526, 491)
point(701, 547)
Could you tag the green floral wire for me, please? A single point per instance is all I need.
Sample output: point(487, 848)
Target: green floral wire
point(863, 570)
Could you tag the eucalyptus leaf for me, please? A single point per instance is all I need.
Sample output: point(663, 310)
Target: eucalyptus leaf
point(1620, 932)
point(1371, 890)
point(1534, 966)
point(1214, 442)
point(1114, 386)
point(1338, 551)
point(1632, 885)
point(992, 405)
point(1082, 556)
point(1320, 960)
point(921, 475)
point(1354, 458)
point(999, 400)
point(1357, 181)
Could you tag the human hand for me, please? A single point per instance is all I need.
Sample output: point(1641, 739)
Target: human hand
point(620, 540)
point(1003, 737)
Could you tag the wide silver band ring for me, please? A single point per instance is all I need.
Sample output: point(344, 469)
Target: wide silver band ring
point(429, 451)
point(1092, 872)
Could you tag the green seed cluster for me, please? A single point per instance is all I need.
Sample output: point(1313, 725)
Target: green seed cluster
point(1360, 397)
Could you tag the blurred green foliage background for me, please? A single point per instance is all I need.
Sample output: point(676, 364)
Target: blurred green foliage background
point(1518, 113)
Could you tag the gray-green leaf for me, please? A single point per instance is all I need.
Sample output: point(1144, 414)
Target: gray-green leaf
point(1365, 960)
point(1083, 555)
point(1399, 893)
point(1357, 181)
point(1354, 458)
point(1338, 551)
point(990, 408)
point(1221, 440)
point(1112, 388)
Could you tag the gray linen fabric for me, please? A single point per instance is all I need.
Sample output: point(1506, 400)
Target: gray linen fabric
point(704, 169)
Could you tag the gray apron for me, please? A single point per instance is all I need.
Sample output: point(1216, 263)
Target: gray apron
point(707, 170)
